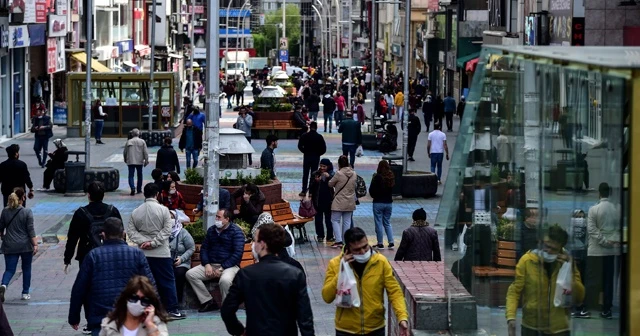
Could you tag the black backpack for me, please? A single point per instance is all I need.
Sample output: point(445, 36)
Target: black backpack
point(96, 227)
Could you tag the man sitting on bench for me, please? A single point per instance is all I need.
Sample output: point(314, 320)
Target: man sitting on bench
point(220, 254)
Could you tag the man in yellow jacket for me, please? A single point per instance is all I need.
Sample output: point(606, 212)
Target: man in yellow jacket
point(398, 102)
point(373, 274)
point(536, 275)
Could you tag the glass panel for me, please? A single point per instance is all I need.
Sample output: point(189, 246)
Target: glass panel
point(134, 97)
point(536, 179)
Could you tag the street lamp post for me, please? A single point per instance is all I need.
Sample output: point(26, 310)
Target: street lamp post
point(240, 22)
point(87, 106)
point(374, 26)
point(152, 66)
point(226, 39)
point(405, 80)
point(315, 9)
point(284, 22)
point(193, 44)
point(211, 197)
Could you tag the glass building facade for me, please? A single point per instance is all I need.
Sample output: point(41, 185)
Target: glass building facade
point(540, 173)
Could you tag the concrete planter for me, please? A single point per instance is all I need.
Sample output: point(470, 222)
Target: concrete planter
point(419, 184)
point(191, 192)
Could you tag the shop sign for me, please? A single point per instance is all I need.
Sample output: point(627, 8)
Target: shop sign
point(560, 22)
point(28, 11)
point(531, 30)
point(37, 34)
point(4, 35)
point(160, 22)
point(59, 113)
point(396, 49)
point(577, 31)
point(115, 52)
point(199, 53)
point(124, 46)
point(51, 55)
point(451, 60)
point(61, 7)
point(18, 36)
point(57, 25)
point(41, 11)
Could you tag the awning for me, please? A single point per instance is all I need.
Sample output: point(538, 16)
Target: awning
point(471, 65)
point(142, 49)
point(464, 59)
point(95, 65)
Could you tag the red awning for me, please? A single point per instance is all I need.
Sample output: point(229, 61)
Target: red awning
point(471, 65)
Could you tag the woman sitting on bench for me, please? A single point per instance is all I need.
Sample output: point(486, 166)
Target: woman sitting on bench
point(251, 203)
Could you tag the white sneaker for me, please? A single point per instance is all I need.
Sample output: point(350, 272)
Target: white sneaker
point(26, 296)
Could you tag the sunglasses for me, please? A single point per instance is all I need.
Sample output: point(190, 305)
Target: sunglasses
point(143, 300)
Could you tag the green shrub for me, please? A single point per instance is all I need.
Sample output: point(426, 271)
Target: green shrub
point(191, 176)
point(246, 227)
point(225, 181)
point(196, 230)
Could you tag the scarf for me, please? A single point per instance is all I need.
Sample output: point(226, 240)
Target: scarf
point(177, 226)
point(420, 223)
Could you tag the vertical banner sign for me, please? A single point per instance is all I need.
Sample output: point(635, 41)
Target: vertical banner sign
point(61, 60)
point(51, 55)
point(160, 21)
point(41, 11)
point(577, 31)
point(29, 11)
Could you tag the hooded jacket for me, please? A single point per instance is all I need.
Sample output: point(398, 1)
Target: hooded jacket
point(248, 210)
point(537, 289)
point(344, 184)
point(376, 278)
point(329, 104)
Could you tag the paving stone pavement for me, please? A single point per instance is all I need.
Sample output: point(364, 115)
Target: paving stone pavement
point(46, 312)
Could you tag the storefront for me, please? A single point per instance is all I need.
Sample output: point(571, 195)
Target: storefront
point(546, 136)
point(18, 46)
point(5, 79)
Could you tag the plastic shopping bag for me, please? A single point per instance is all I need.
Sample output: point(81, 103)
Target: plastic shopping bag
point(291, 249)
point(359, 151)
point(347, 289)
point(462, 247)
point(562, 297)
point(182, 217)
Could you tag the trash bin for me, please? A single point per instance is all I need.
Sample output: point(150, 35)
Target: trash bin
point(74, 172)
point(397, 172)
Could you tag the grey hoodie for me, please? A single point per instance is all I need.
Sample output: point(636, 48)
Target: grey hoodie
point(244, 124)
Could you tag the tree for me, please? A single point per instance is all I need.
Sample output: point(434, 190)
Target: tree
point(293, 30)
point(261, 44)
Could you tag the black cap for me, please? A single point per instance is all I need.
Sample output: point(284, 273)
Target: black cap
point(420, 214)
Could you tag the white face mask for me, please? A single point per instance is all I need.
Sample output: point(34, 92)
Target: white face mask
point(256, 256)
point(172, 191)
point(363, 258)
point(136, 309)
point(218, 224)
point(548, 258)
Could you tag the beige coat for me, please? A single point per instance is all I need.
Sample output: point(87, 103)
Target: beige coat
point(151, 222)
point(603, 225)
point(110, 328)
point(135, 152)
point(344, 198)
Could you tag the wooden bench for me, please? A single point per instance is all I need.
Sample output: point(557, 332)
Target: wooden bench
point(490, 283)
point(284, 125)
point(273, 127)
point(283, 215)
point(263, 124)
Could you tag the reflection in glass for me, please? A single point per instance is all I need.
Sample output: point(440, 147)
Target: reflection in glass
point(533, 198)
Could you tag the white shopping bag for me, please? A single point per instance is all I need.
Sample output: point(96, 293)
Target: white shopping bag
point(347, 289)
point(182, 217)
point(359, 151)
point(291, 249)
point(462, 247)
point(562, 297)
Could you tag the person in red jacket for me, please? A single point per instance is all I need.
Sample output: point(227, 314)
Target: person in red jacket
point(170, 197)
point(358, 111)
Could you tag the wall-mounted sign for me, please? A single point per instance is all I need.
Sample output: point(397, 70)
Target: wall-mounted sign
point(531, 30)
point(57, 25)
point(396, 49)
point(51, 55)
point(18, 36)
point(284, 43)
point(199, 53)
point(160, 22)
point(577, 32)
point(560, 22)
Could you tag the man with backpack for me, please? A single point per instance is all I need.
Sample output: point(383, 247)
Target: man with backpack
point(86, 225)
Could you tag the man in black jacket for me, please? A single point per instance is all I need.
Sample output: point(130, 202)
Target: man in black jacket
point(14, 173)
point(79, 228)
point(274, 292)
point(167, 159)
point(191, 140)
point(312, 146)
point(329, 105)
point(268, 157)
point(414, 130)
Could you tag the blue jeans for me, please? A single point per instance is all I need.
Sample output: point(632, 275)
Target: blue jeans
point(41, 143)
point(351, 150)
point(338, 117)
point(382, 219)
point(99, 127)
point(436, 162)
point(96, 331)
point(162, 270)
point(328, 117)
point(132, 169)
point(229, 98)
point(313, 115)
point(192, 153)
point(11, 263)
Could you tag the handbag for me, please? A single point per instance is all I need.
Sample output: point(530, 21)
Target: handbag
point(306, 208)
